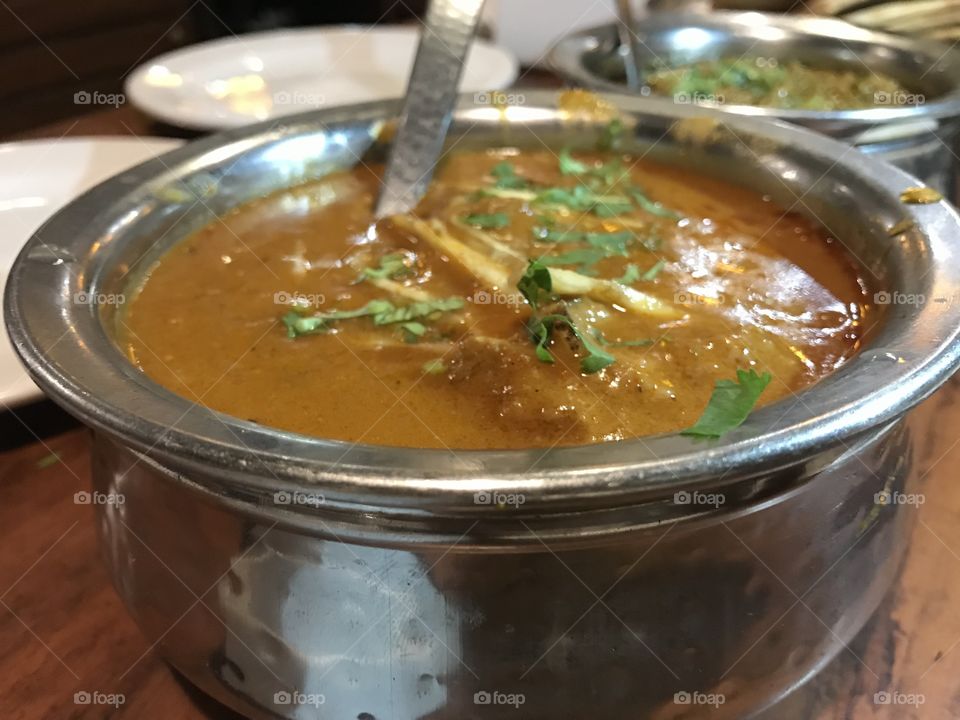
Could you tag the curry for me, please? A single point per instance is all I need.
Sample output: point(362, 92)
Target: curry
point(789, 85)
point(533, 299)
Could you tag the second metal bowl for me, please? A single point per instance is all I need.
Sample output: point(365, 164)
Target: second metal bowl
point(917, 132)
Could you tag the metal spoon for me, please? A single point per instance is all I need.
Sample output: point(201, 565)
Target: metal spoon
point(431, 94)
point(628, 41)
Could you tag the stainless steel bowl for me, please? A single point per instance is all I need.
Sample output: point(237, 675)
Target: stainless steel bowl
point(277, 571)
point(919, 137)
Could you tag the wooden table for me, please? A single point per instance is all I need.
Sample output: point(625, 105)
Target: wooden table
point(64, 631)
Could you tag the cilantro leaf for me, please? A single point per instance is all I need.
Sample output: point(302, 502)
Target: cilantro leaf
point(611, 243)
point(609, 208)
point(540, 332)
point(406, 313)
point(630, 275)
point(541, 329)
point(612, 136)
point(544, 234)
point(506, 177)
point(570, 165)
point(390, 266)
point(730, 404)
point(582, 199)
point(413, 331)
point(535, 284)
point(653, 271)
point(578, 198)
point(596, 359)
point(383, 312)
point(652, 207)
point(493, 221)
point(611, 172)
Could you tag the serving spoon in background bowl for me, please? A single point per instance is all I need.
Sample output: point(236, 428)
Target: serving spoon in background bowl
point(448, 30)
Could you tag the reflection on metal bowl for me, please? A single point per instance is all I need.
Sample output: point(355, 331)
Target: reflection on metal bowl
point(301, 578)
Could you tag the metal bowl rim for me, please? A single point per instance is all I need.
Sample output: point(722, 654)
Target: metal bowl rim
point(414, 477)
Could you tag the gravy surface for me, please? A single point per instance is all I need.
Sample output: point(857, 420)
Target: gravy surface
point(728, 279)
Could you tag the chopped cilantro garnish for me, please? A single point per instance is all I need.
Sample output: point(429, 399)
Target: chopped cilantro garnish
point(583, 199)
point(540, 329)
point(492, 221)
point(596, 359)
point(506, 177)
point(606, 208)
point(540, 333)
point(653, 271)
point(730, 404)
point(382, 312)
point(544, 234)
point(415, 310)
point(652, 207)
point(583, 256)
point(630, 275)
point(612, 135)
point(602, 245)
point(570, 165)
point(611, 243)
point(615, 242)
point(413, 331)
point(578, 198)
point(535, 284)
point(610, 173)
point(390, 266)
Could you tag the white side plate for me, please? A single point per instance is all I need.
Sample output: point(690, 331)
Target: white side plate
point(243, 79)
point(36, 180)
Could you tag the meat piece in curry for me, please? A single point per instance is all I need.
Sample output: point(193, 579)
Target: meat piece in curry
point(533, 299)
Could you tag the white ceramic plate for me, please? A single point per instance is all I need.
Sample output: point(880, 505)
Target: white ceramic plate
point(243, 79)
point(36, 180)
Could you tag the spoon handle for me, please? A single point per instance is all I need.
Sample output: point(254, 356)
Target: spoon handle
point(428, 107)
point(626, 29)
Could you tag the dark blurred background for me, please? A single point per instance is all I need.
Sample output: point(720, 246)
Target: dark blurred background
point(50, 49)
